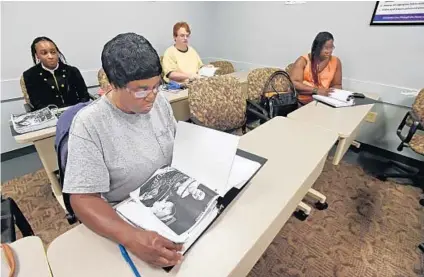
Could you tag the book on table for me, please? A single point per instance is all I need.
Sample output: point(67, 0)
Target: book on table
point(33, 121)
point(180, 201)
point(337, 98)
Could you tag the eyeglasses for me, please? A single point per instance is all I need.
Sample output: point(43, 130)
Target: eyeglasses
point(330, 48)
point(143, 93)
point(184, 36)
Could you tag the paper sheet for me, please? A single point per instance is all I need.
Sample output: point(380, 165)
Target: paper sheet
point(205, 154)
point(241, 172)
point(207, 71)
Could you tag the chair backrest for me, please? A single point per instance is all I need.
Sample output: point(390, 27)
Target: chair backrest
point(217, 102)
point(225, 67)
point(24, 90)
point(418, 106)
point(102, 78)
point(289, 68)
point(61, 144)
point(257, 79)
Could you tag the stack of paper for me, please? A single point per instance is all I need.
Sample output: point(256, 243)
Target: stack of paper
point(207, 71)
point(33, 121)
point(337, 98)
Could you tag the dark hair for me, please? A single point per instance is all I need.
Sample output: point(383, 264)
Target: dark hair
point(317, 46)
point(129, 57)
point(37, 40)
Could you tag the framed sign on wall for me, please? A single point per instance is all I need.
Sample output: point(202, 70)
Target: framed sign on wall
point(398, 13)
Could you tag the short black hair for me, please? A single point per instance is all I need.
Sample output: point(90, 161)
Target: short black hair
point(129, 57)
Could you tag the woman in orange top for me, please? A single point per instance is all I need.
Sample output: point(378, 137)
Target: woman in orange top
point(318, 72)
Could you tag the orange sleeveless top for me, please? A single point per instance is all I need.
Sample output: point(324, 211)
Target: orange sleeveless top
point(325, 77)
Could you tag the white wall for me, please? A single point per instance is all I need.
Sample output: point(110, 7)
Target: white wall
point(386, 60)
point(80, 29)
point(273, 33)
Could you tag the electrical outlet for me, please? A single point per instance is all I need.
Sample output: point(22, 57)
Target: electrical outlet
point(371, 117)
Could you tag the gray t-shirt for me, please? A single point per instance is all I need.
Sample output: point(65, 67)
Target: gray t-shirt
point(113, 153)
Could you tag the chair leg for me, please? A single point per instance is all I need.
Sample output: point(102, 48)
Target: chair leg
point(383, 177)
point(20, 220)
point(404, 167)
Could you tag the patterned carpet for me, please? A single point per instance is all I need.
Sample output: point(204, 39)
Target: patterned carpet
point(371, 228)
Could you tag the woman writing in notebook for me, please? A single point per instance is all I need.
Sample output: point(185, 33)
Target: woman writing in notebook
point(319, 71)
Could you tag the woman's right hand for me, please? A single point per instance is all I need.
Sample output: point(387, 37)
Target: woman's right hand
point(324, 91)
point(154, 249)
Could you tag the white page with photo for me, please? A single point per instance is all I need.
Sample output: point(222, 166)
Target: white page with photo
point(205, 154)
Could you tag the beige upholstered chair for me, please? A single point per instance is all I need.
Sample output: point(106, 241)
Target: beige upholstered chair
point(28, 106)
point(224, 67)
point(414, 140)
point(217, 102)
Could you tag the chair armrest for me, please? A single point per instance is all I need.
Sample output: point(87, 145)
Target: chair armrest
point(412, 129)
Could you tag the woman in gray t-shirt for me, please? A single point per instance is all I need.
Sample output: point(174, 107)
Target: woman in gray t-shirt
point(117, 142)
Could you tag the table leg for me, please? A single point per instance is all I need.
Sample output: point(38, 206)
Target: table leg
point(343, 146)
point(47, 154)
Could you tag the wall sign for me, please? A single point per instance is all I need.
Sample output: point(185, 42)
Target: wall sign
point(398, 13)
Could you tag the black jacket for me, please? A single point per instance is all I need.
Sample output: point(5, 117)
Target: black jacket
point(65, 88)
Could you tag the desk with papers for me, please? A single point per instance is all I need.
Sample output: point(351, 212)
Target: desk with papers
point(244, 230)
point(345, 121)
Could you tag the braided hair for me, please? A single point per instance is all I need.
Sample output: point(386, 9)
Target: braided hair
point(37, 40)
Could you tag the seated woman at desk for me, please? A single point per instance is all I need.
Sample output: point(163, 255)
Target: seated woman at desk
point(181, 62)
point(117, 142)
point(51, 81)
point(319, 71)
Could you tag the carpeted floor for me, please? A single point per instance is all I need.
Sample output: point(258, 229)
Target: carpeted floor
point(370, 229)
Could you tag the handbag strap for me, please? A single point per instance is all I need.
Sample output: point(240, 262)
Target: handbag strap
point(10, 258)
point(286, 75)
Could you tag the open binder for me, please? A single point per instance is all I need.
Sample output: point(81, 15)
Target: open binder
point(181, 201)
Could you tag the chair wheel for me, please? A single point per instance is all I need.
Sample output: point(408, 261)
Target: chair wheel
point(422, 202)
point(382, 177)
point(321, 206)
point(301, 215)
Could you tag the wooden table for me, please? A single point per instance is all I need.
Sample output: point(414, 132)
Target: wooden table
point(30, 258)
point(345, 121)
point(242, 233)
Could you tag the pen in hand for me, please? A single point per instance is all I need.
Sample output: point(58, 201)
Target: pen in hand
point(127, 258)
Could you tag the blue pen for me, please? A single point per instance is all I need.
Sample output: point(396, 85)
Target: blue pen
point(128, 260)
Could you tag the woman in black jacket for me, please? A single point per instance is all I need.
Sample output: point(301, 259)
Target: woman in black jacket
point(51, 81)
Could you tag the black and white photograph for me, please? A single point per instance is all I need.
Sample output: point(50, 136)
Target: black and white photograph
point(176, 199)
point(43, 118)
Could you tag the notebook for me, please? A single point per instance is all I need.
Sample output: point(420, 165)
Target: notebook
point(337, 98)
point(181, 200)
